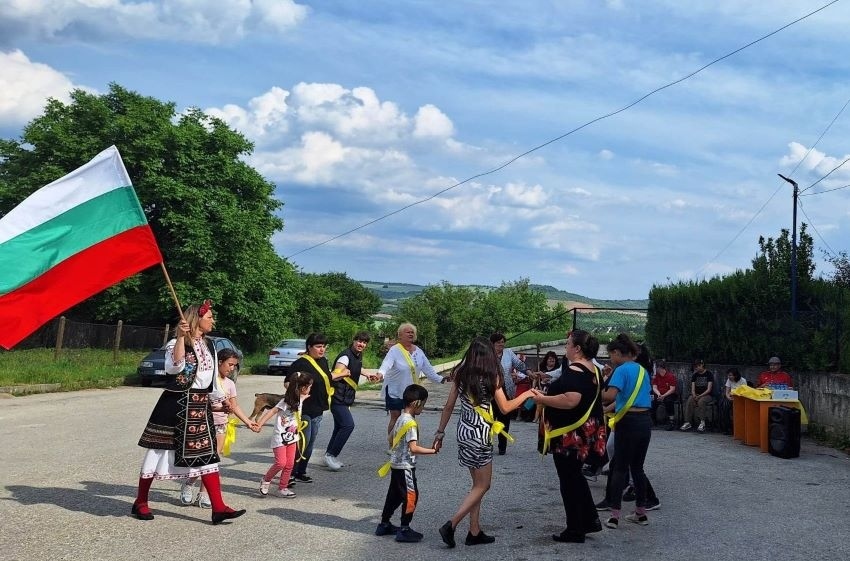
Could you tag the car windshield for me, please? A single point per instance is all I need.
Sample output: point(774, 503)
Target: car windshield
point(292, 344)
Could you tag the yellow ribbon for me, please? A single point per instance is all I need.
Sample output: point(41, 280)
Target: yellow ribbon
point(302, 440)
point(619, 415)
point(385, 469)
point(549, 435)
point(324, 376)
point(409, 360)
point(347, 379)
point(496, 427)
point(229, 436)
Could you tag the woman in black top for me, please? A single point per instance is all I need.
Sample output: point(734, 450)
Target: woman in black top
point(314, 363)
point(574, 399)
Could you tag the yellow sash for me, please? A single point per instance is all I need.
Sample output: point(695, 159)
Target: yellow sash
point(619, 415)
point(347, 380)
point(385, 469)
point(549, 435)
point(229, 436)
point(496, 427)
point(324, 376)
point(409, 360)
point(302, 440)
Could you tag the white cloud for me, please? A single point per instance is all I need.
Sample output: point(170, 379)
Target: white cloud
point(25, 86)
point(266, 114)
point(606, 154)
point(817, 162)
point(179, 20)
point(430, 121)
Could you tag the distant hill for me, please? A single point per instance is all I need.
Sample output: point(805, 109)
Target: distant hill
point(391, 293)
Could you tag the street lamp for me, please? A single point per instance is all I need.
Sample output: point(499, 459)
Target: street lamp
point(793, 251)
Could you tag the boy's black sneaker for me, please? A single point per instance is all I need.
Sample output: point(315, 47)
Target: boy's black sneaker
point(447, 533)
point(303, 478)
point(408, 535)
point(386, 529)
point(480, 539)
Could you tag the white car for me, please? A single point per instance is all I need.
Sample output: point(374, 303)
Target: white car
point(282, 356)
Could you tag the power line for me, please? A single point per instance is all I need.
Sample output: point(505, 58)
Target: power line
point(827, 191)
point(566, 134)
point(831, 251)
point(825, 176)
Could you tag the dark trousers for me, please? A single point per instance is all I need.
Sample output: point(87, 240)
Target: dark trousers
point(403, 492)
point(726, 415)
point(631, 442)
point(578, 501)
point(506, 419)
point(609, 485)
point(669, 406)
point(343, 427)
point(311, 431)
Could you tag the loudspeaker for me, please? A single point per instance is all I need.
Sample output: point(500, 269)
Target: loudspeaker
point(783, 432)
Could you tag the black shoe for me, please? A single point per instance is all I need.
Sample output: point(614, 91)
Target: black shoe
point(629, 495)
point(386, 529)
point(447, 533)
point(291, 481)
point(481, 538)
point(303, 478)
point(653, 504)
point(135, 511)
point(671, 427)
point(592, 528)
point(603, 505)
point(408, 535)
point(569, 537)
point(219, 517)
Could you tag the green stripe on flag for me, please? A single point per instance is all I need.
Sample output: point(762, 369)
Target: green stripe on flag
point(39, 249)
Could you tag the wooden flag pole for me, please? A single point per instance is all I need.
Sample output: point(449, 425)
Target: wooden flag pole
point(174, 297)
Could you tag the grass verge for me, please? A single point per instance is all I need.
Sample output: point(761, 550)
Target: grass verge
point(74, 369)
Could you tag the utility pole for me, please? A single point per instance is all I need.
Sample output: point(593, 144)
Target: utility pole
point(793, 250)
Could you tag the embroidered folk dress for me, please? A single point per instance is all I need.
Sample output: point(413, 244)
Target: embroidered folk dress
point(179, 411)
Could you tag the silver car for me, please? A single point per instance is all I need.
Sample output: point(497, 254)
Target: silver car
point(287, 352)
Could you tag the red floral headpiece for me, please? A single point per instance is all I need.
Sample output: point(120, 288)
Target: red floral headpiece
point(204, 308)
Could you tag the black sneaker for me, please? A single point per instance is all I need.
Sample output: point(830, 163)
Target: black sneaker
point(408, 535)
point(447, 533)
point(603, 505)
point(480, 539)
point(304, 478)
point(653, 504)
point(629, 495)
point(595, 526)
point(386, 529)
point(291, 481)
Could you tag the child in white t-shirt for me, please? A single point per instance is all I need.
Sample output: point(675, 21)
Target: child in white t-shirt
point(286, 433)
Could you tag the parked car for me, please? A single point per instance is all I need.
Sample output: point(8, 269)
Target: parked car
point(282, 356)
point(152, 367)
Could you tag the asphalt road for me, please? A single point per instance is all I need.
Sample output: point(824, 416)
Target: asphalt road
point(70, 464)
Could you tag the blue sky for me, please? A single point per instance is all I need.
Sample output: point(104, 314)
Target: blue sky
point(359, 108)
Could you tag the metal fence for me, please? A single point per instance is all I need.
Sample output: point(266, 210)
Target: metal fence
point(65, 333)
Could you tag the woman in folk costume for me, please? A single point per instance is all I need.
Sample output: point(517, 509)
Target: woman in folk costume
point(180, 435)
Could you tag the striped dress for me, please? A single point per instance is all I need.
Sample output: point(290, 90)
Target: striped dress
point(474, 446)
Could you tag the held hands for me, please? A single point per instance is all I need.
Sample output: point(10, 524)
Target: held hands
point(537, 396)
point(254, 426)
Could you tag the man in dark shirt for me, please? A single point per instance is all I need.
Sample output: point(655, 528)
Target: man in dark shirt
point(698, 406)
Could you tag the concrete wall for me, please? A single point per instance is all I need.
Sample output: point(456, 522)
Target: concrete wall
point(826, 396)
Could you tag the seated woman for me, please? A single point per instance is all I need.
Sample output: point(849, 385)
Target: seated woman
point(733, 380)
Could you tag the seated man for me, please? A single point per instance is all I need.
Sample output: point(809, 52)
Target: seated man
point(774, 377)
point(663, 391)
point(733, 380)
point(700, 401)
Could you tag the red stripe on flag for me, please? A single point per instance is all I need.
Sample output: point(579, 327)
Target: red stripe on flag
point(98, 267)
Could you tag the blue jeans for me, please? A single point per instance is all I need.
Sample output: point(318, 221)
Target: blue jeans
point(311, 431)
point(343, 427)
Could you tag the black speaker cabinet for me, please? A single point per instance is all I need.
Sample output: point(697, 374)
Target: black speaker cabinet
point(783, 432)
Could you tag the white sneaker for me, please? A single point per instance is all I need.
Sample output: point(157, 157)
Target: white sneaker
point(701, 427)
point(285, 493)
point(187, 492)
point(204, 500)
point(264, 487)
point(332, 463)
point(686, 426)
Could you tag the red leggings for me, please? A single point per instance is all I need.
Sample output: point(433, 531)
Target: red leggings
point(284, 461)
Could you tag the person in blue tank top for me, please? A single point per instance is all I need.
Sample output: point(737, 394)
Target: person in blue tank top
point(629, 389)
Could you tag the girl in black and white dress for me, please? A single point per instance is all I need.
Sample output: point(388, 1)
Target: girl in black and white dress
point(477, 380)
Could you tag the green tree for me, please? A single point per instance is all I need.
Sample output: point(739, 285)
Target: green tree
point(212, 214)
point(334, 304)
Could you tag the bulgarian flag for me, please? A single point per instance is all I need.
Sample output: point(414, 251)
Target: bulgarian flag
point(68, 241)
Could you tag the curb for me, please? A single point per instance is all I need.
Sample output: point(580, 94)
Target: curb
point(27, 389)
